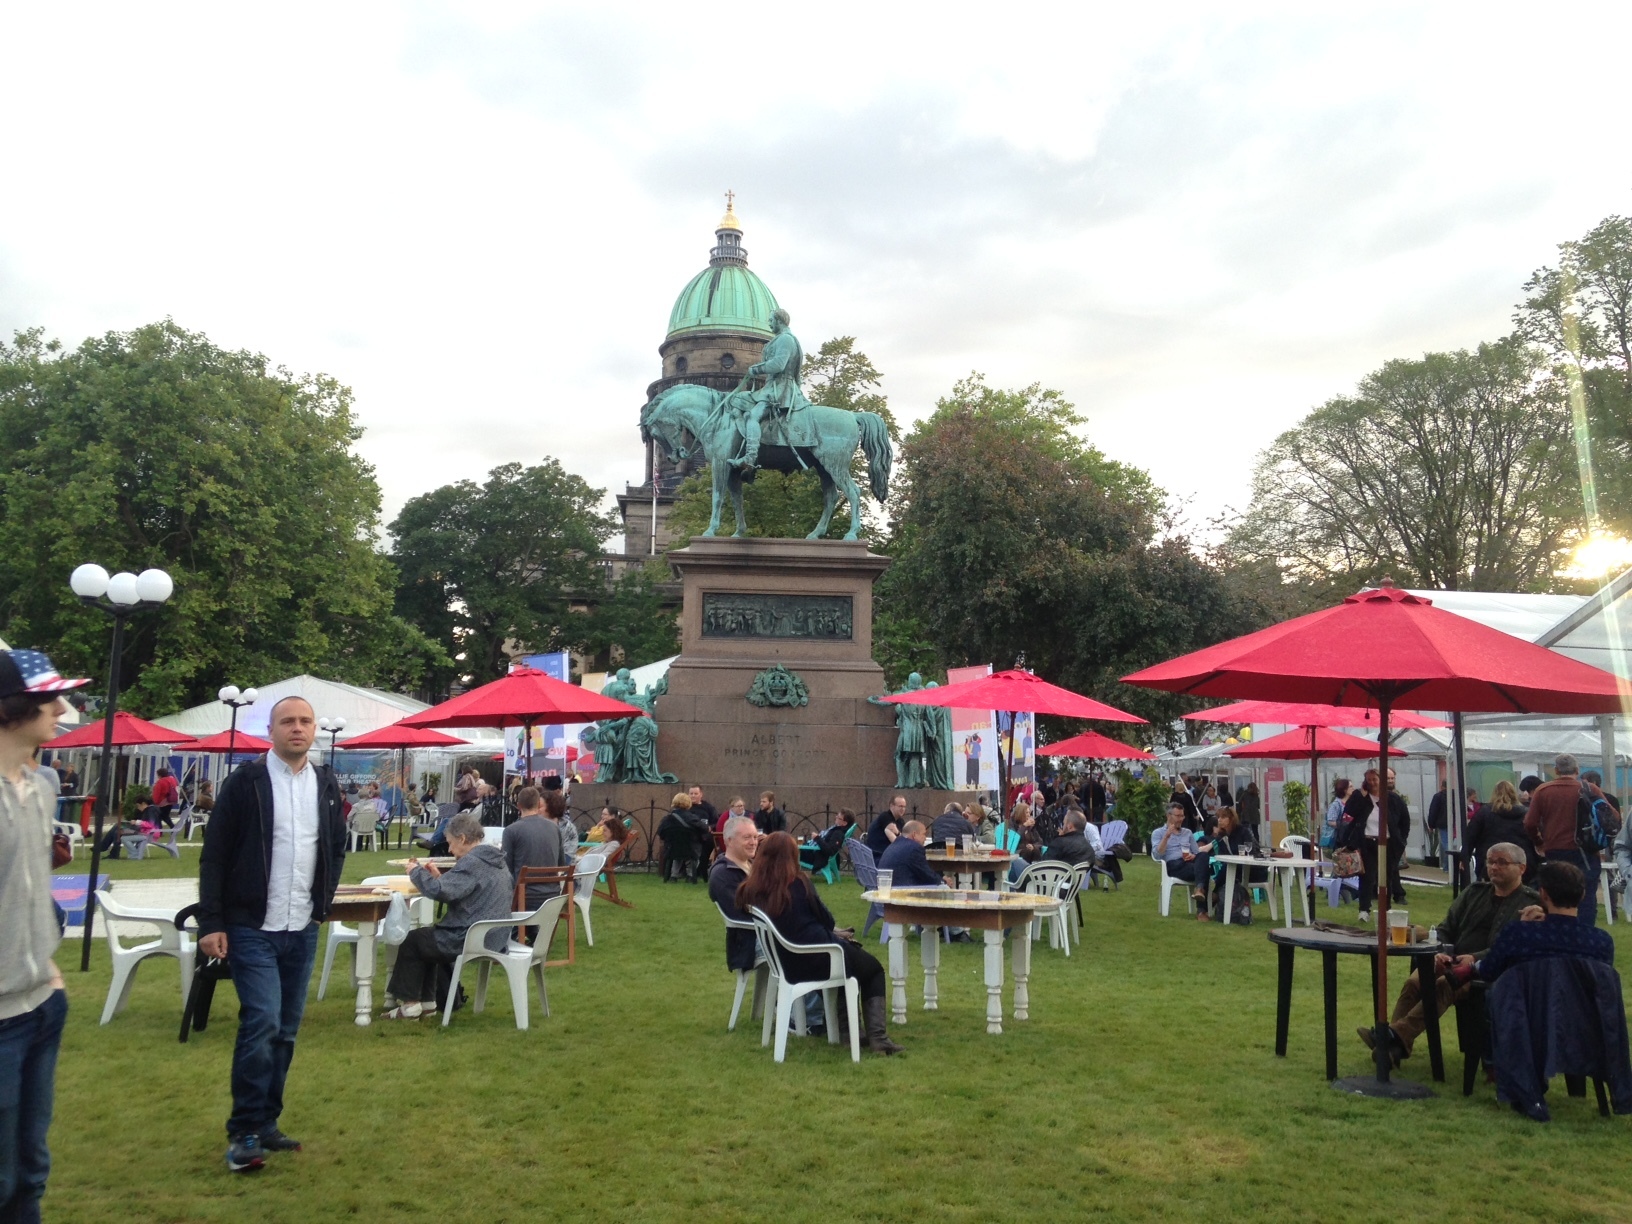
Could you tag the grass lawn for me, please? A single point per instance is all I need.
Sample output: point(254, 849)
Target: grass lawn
point(1144, 1087)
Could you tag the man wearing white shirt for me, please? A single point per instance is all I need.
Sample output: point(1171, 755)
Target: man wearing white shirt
point(273, 851)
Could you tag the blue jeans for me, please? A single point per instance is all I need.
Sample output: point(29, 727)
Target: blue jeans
point(1587, 913)
point(28, 1072)
point(271, 971)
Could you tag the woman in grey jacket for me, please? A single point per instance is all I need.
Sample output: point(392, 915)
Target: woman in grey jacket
point(476, 888)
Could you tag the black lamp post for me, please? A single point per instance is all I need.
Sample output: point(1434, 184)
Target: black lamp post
point(331, 727)
point(230, 696)
point(118, 596)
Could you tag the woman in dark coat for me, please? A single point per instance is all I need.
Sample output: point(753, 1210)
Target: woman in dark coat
point(1362, 834)
point(786, 895)
point(1500, 820)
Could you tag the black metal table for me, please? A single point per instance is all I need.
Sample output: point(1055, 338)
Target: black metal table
point(1332, 943)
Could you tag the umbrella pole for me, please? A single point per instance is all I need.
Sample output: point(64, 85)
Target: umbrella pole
point(1381, 1085)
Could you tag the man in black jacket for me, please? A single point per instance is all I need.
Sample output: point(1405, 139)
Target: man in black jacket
point(1077, 844)
point(273, 851)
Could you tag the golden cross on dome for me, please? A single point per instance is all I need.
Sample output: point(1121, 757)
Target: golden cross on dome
point(730, 200)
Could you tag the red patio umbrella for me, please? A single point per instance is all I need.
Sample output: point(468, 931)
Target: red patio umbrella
point(128, 732)
point(1310, 743)
point(230, 742)
point(1097, 747)
point(1016, 691)
point(1384, 647)
point(525, 698)
point(396, 735)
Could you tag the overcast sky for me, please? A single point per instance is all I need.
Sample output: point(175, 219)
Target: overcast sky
point(1198, 226)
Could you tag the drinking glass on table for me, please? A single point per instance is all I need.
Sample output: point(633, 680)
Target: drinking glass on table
point(968, 843)
point(885, 879)
point(1399, 927)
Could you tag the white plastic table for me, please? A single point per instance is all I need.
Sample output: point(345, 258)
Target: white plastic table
point(1289, 867)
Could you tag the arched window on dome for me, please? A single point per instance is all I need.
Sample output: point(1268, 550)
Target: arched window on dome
point(680, 364)
point(728, 361)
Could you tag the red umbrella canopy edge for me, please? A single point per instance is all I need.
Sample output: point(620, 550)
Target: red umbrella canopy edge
point(1294, 746)
point(398, 736)
point(1312, 714)
point(225, 741)
point(1095, 746)
point(525, 697)
point(128, 732)
point(1387, 644)
point(1015, 691)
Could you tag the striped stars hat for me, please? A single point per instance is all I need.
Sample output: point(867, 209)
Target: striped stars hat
point(30, 671)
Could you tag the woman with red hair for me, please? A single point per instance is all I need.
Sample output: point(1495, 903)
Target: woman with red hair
point(778, 886)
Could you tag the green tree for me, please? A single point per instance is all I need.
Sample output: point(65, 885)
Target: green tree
point(1447, 471)
point(1015, 538)
point(787, 505)
point(156, 448)
point(514, 560)
point(1580, 312)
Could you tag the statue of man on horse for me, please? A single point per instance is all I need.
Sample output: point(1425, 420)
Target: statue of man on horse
point(779, 364)
point(773, 427)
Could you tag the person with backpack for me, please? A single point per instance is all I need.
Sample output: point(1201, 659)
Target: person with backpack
point(1601, 824)
point(1559, 812)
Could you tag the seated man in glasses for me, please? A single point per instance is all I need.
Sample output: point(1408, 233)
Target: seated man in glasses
point(1186, 858)
point(1478, 913)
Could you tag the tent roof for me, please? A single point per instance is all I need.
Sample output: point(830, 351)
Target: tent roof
point(364, 709)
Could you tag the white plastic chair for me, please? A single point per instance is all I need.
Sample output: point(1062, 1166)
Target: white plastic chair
point(72, 832)
point(117, 921)
point(761, 974)
point(786, 993)
point(586, 872)
point(1049, 879)
point(1168, 884)
point(363, 816)
point(517, 960)
point(196, 820)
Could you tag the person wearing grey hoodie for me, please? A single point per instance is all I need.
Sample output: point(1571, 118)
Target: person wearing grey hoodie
point(33, 1004)
point(477, 887)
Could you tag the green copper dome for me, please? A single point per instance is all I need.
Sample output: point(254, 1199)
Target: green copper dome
point(725, 296)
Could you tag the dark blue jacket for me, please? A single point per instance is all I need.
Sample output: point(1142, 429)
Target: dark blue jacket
point(906, 858)
point(237, 856)
point(1558, 1015)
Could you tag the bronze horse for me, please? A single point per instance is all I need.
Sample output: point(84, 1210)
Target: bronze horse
point(708, 417)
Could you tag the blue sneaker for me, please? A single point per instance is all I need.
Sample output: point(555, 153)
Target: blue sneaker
point(245, 1153)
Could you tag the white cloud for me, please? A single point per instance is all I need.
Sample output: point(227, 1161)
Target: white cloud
point(1197, 226)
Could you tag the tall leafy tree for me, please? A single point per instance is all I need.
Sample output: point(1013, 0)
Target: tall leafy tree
point(1454, 470)
point(1580, 312)
point(790, 504)
point(513, 560)
point(156, 448)
point(1016, 539)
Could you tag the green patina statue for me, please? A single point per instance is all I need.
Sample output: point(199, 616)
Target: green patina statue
point(626, 748)
point(775, 428)
point(911, 736)
point(938, 773)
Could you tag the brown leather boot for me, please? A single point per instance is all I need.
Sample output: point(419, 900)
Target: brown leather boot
point(878, 1041)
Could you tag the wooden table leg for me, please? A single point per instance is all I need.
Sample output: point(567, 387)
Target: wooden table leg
point(1328, 975)
point(365, 973)
point(1022, 978)
point(1303, 893)
point(1286, 874)
point(898, 971)
point(1428, 989)
point(929, 951)
point(994, 975)
point(1283, 998)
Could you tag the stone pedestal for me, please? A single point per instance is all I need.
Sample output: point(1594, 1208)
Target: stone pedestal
point(749, 605)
